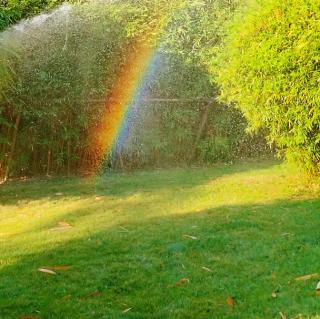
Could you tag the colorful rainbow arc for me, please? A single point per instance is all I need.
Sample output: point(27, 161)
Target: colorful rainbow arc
point(118, 102)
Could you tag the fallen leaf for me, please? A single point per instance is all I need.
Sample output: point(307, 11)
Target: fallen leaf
point(98, 198)
point(59, 267)
point(93, 294)
point(207, 269)
point(182, 281)
point(47, 271)
point(307, 277)
point(189, 236)
point(58, 194)
point(126, 310)
point(62, 226)
point(286, 234)
point(124, 229)
point(230, 301)
point(318, 288)
point(282, 315)
point(275, 293)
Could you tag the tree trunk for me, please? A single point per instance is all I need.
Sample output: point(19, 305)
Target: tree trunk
point(49, 160)
point(3, 150)
point(6, 133)
point(13, 146)
point(202, 125)
point(121, 161)
point(68, 157)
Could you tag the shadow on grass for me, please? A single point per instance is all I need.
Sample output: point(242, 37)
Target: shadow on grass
point(118, 184)
point(248, 253)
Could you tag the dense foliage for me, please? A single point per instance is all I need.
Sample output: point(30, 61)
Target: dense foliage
point(188, 124)
point(60, 67)
point(12, 11)
point(270, 68)
point(197, 30)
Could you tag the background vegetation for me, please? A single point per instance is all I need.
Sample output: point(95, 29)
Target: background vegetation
point(262, 59)
point(188, 124)
point(269, 67)
point(63, 68)
point(12, 11)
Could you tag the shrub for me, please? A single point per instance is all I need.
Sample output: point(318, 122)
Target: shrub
point(11, 11)
point(269, 67)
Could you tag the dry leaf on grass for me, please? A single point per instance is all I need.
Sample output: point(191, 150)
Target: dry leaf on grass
point(307, 277)
point(182, 281)
point(59, 194)
point(126, 310)
point(207, 269)
point(275, 293)
point(318, 288)
point(189, 236)
point(230, 301)
point(93, 294)
point(282, 315)
point(47, 271)
point(286, 234)
point(59, 267)
point(62, 226)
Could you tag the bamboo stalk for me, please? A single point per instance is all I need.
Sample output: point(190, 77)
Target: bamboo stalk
point(13, 146)
point(202, 125)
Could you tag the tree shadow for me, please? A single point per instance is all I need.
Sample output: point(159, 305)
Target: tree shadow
point(121, 184)
point(248, 252)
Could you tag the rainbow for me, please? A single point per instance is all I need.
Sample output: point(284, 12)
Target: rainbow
point(118, 102)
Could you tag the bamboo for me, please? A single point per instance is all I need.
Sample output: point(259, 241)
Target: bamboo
point(13, 145)
point(202, 125)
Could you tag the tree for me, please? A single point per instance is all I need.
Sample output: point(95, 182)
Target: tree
point(269, 68)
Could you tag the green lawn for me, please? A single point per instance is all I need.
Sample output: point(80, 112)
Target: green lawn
point(244, 231)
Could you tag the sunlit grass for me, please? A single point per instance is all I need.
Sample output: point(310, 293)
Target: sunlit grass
point(133, 236)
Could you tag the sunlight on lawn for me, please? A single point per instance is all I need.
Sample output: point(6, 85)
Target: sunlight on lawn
point(142, 232)
point(33, 224)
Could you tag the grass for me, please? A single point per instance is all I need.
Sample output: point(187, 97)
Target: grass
point(244, 231)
